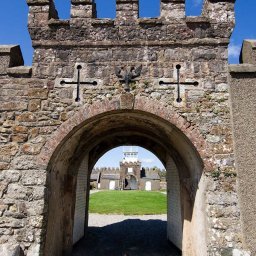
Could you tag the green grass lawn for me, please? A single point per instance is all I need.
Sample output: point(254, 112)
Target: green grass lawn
point(128, 202)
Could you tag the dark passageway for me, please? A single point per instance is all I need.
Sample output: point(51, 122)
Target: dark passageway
point(131, 237)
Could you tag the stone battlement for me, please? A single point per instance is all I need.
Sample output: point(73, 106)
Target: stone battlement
point(11, 62)
point(106, 169)
point(115, 169)
point(216, 21)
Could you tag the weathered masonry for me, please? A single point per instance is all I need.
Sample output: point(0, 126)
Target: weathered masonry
point(100, 83)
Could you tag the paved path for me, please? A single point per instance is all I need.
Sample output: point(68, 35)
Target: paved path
point(118, 235)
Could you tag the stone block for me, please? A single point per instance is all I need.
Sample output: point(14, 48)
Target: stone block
point(20, 71)
point(219, 11)
point(31, 149)
point(10, 250)
point(40, 12)
point(38, 2)
point(38, 93)
point(24, 162)
point(18, 192)
point(83, 9)
point(248, 53)
point(10, 56)
point(26, 117)
point(14, 105)
point(172, 9)
point(9, 150)
point(4, 165)
point(127, 10)
point(10, 176)
point(20, 129)
point(33, 250)
point(242, 68)
point(19, 138)
point(33, 177)
point(34, 105)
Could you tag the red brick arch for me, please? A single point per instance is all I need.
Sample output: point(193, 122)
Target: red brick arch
point(87, 112)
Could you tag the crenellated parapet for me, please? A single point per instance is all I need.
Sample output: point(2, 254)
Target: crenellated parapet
point(216, 22)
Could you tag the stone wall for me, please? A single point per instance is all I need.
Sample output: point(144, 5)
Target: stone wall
point(39, 114)
point(243, 94)
point(120, 175)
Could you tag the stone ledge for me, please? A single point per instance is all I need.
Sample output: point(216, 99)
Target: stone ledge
point(103, 22)
point(21, 71)
point(150, 21)
point(220, 1)
point(57, 22)
point(82, 2)
point(196, 19)
point(10, 56)
point(7, 48)
point(93, 44)
point(173, 1)
point(248, 52)
point(38, 2)
point(126, 1)
point(242, 68)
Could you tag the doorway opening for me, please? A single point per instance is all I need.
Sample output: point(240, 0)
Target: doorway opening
point(71, 165)
point(125, 216)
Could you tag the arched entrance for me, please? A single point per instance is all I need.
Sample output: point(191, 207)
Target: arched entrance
point(131, 182)
point(94, 133)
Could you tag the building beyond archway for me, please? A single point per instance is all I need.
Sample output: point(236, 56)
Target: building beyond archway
point(160, 83)
point(129, 176)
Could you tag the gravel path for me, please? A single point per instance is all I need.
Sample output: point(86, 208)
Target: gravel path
point(119, 235)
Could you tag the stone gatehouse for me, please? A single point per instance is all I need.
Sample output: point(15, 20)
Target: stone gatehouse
point(130, 176)
point(54, 131)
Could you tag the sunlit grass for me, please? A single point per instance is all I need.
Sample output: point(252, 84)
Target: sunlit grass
point(128, 202)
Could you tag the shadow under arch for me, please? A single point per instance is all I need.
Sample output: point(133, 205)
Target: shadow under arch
point(90, 136)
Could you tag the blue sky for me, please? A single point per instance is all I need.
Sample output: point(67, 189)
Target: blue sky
point(13, 30)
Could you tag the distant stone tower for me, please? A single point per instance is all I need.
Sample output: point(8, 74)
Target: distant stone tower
point(130, 169)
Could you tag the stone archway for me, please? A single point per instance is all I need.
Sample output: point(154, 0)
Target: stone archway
point(131, 182)
point(82, 140)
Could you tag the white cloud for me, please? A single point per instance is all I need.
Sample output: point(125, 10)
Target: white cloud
point(234, 50)
point(147, 160)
